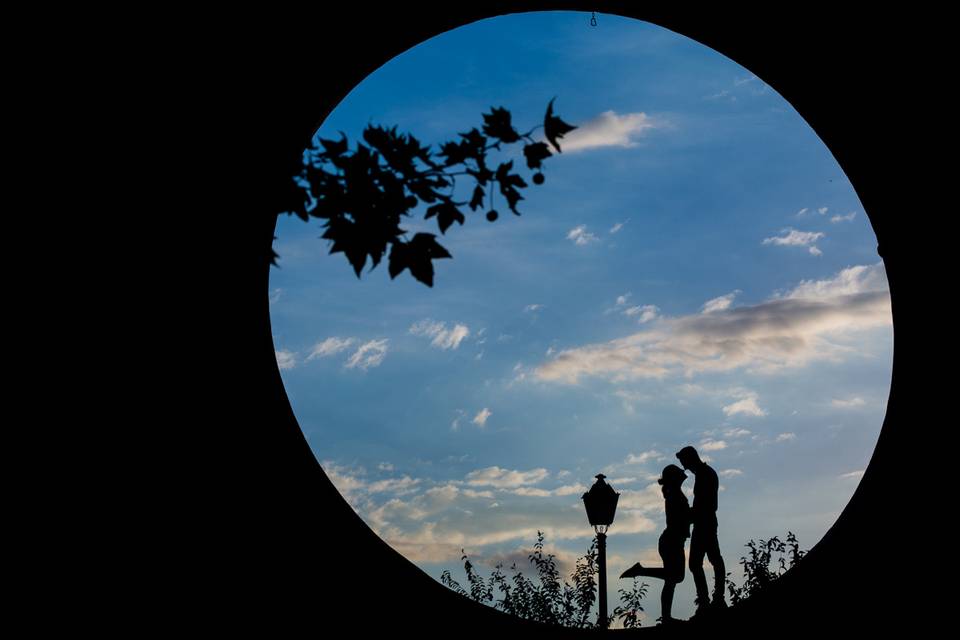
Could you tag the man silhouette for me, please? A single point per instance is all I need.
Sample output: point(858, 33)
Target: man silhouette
point(703, 540)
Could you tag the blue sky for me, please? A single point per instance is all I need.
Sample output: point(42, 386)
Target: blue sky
point(696, 270)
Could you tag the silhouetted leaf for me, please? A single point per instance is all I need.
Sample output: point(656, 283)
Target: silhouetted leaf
point(477, 199)
point(555, 128)
point(497, 125)
point(474, 142)
point(446, 213)
point(508, 183)
point(536, 153)
point(454, 153)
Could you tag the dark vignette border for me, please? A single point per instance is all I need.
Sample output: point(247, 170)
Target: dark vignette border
point(262, 539)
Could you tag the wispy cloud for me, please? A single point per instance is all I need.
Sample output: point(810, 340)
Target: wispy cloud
point(617, 227)
point(848, 403)
point(731, 473)
point(532, 308)
point(608, 129)
point(566, 490)
point(581, 236)
point(442, 337)
point(746, 405)
point(644, 457)
point(368, 355)
point(786, 437)
point(481, 418)
point(823, 210)
point(847, 218)
point(286, 359)
point(793, 238)
point(393, 485)
point(720, 303)
point(505, 478)
point(275, 295)
point(713, 445)
point(788, 330)
point(330, 347)
point(854, 474)
point(644, 313)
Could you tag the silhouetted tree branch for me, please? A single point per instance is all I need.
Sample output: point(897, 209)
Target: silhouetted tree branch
point(363, 195)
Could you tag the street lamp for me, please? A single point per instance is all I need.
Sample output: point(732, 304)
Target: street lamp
point(601, 505)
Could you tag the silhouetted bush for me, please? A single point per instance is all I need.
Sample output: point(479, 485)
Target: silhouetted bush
point(547, 599)
point(766, 561)
point(363, 195)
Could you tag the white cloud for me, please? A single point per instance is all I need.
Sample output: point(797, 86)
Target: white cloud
point(848, 403)
point(713, 445)
point(608, 130)
point(616, 228)
point(847, 218)
point(532, 308)
point(622, 300)
point(330, 347)
point(647, 312)
point(470, 493)
point(442, 337)
point(581, 236)
point(286, 359)
point(505, 478)
point(370, 354)
point(643, 457)
point(794, 238)
point(788, 330)
point(385, 466)
point(481, 418)
point(567, 490)
point(393, 485)
point(786, 437)
point(854, 474)
point(802, 212)
point(275, 295)
point(721, 303)
point(736, 432)
point(746, 405)
point(550, 351)
point(618, 481)
point(731, 473)
point(823, 210)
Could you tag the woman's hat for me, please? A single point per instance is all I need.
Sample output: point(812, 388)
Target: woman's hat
point(672, 474)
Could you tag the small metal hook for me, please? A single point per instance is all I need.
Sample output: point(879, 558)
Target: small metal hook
point(593, 18)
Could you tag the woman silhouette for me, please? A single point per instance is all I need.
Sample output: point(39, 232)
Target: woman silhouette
point(672, 540)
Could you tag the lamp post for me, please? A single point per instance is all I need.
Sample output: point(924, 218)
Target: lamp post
point(601, 504)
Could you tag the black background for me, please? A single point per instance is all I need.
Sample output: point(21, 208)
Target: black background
point(243, 531)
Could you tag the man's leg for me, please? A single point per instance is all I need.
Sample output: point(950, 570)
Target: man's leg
point(719, 569)
point(697, 551)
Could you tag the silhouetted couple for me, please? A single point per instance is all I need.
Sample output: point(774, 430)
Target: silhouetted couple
point(703, 542)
